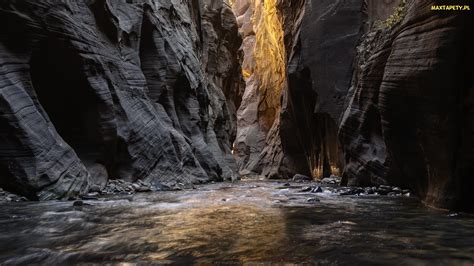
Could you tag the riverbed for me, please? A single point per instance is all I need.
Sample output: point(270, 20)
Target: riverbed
point(245, 222)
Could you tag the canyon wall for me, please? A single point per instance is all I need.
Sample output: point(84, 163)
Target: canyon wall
point(257, 147)
point(409, 120)
point(319, 74)
point(379, 92)
point(391, 78)
point(288, 120)
point(106, 89)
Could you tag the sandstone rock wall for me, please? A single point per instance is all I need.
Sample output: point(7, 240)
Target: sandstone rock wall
point(94, 90)
point(319, 74)
point(257, 146)
point(91, 90)
point(410, 118)
point(319, 39)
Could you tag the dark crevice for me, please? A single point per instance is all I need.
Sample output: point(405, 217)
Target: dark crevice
point(66, 96)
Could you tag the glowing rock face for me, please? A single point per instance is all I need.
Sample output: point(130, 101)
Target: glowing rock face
point(269, 53)
point(263, 69)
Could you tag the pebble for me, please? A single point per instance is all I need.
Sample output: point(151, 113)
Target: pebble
point(10, 197)
point(352, 191)
point(142, 189)
point(369, 191)
point(312, 200)
point(80, 203)
point(312, 189)
point(117, 186)
point(331, 180)
point(299, 177)
point(90, 196)
point(317, 189)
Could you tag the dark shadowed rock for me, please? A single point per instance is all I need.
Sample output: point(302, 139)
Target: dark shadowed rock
point(317, 189)
point(299, 177)
point(313, 200)
point(92, 90)
point(297, 133)
point(319, 75)
point(410, 115)
point(6, 196)
point(78, 203)
point(312, 189)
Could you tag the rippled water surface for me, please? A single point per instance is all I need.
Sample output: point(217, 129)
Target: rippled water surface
point(246, 222)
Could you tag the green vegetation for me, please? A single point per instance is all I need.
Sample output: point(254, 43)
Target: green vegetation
point(398, 14)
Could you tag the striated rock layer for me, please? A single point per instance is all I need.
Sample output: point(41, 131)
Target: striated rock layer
point(264, 67)
point(92, 90)
point(410, 115)
point(406, 117)
point(316, 40)
point(319, 74)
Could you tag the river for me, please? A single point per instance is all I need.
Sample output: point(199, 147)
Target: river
point(236, 223)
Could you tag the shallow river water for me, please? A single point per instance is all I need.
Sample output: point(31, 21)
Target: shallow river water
point(236, 223)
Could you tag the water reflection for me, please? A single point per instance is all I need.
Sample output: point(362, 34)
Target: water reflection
point(235, 223)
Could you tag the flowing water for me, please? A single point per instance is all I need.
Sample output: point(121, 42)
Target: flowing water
point(235, 223)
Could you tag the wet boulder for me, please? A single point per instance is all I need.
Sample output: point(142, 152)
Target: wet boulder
point(301, 178)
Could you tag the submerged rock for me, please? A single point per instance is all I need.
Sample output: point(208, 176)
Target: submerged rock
point(299, 178)
point(90, 196)
point(312, 189)
point(78, 203)
point(352, 191)
point(313, 200)
point(331, 180)
point(143, 189)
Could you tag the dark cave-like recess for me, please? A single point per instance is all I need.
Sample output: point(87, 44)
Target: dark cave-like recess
point(66, 96)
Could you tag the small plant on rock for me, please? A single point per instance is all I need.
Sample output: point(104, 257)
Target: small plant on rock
point(395, 18)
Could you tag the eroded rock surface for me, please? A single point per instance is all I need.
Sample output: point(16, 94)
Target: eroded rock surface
point(406, 117)
point(318, 40)
point(319, 74)
point(92, 91)
point(97, 90)
point(257, 145)
point(410, 115)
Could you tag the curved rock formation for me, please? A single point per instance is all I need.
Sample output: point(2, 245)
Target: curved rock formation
point(264, 69)
point(91, 90)
point(410, 117)
point(319, 74)
point(318, 40)
point(408, 112)
point(113, 89)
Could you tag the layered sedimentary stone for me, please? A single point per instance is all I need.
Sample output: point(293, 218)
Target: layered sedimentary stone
point(319, 74)
point(410, 117)
point(257, 144)
point(91, 90)
point(318, 40)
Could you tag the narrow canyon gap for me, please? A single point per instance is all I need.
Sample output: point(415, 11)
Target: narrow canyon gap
point(350, 104)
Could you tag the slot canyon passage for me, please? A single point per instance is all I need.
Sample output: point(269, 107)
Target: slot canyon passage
point(236, 132)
